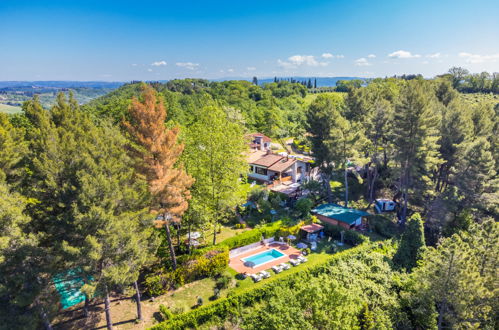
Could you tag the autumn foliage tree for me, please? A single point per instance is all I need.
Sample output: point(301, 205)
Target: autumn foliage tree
point(159, 152)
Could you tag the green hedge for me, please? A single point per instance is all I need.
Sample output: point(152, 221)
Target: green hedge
point(245, 238)
point(222, 308)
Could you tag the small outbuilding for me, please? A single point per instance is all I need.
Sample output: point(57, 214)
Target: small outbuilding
point(313, 231)
point(340, 216)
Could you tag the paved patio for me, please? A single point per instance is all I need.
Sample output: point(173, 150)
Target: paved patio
point(238, 265)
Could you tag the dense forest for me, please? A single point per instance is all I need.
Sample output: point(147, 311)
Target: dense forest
point(108, 188)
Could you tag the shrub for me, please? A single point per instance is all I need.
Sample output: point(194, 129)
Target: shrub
point(223, 281)
point(154, 285)
point(166, 314)
point(200, 301)
point(209, 264)
point(216, 294)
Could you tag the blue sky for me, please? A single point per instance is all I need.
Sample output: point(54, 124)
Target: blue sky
point(154, 40)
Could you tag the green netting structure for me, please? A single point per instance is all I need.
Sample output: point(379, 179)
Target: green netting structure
point(68, 285)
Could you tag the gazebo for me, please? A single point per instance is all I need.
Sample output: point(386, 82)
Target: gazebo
point(312, 231)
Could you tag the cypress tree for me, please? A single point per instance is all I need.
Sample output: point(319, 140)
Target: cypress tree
point(412, 243)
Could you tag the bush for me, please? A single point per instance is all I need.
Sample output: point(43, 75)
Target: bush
point(216, 294)
point(200, 301)
point(223, 281)
point(209, 264)
point(166, 314)
point(154, 285)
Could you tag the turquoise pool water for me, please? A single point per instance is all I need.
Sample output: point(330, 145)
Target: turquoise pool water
point(264, 257)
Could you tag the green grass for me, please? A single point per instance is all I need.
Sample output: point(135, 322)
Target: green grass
point(5, 108)
point(186, 296)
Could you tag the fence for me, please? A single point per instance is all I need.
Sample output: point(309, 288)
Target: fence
point(250, 247)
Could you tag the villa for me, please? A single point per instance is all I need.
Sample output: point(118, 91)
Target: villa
point(259, 141)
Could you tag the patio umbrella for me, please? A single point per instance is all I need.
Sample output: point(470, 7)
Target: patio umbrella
point(301, 245)
point(291, 237)
point(195, 235)
point(249, 264)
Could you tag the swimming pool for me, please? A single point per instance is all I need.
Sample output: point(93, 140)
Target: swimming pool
point(264, 257)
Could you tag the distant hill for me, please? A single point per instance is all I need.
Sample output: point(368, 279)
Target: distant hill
point(60, 84)
point(321, 81)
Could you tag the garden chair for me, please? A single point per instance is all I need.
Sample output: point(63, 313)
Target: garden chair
point(277, 269)
point(285, 266)
point(265, 274)
point(256, 277)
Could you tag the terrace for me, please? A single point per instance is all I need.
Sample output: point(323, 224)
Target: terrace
point(237, 261)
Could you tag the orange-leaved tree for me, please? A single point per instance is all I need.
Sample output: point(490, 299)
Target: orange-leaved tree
point(159, 152)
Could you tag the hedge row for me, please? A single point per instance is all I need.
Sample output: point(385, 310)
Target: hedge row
point(222, 308)
point(245, 238)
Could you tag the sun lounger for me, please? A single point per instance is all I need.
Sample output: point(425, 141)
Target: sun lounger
point(256, 277)
point(265, 274)
point(285, 266)
point(294, 262)
point(302, 259)
point(277, 269)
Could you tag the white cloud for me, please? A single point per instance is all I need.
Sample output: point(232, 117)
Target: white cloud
point(230, 70)
point(329, 56)
point(158, 63)
point(150, 70)
point(362, 62)
point(475, 58)
point(403, 54)
point(251, 68)
point(134, 64)
point(187, 65)
point(436, 55)
point(371, 56)
point(300, 60)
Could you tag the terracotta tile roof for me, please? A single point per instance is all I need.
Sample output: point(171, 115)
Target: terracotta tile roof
point(312, 228)
point(255, 155)
point(282, 165)
point(267, 160)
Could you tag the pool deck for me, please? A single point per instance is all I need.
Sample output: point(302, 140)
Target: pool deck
point(238, 265)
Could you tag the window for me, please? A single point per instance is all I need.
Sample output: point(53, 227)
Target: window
point(259, 170)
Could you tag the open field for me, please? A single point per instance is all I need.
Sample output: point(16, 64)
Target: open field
point(9, 109)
